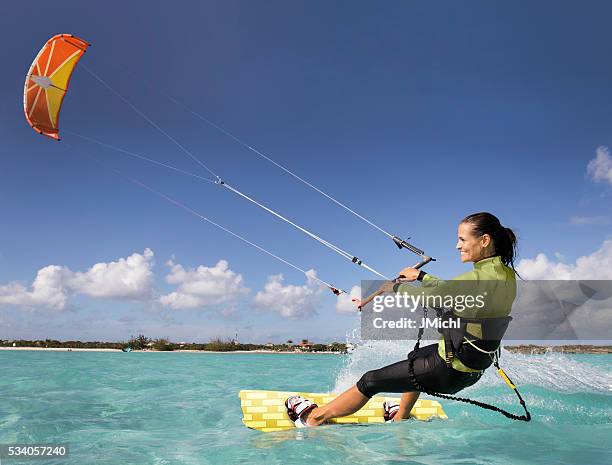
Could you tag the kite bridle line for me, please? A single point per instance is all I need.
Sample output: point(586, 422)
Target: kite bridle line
point(222, 183)
point(399, 242)
point(219, 181)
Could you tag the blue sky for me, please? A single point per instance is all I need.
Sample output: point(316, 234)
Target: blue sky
point(414, 114)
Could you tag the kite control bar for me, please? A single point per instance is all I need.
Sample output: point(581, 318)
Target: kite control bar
point(401, 244)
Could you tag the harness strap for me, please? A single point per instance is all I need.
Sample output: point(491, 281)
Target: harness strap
point(488, 352)
point(449, 354)
point(421, 331)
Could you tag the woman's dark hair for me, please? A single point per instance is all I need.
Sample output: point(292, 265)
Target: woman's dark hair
point(504, 239)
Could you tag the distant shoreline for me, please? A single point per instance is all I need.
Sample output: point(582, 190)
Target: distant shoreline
point(522, 349)
point(80, 349)
point(531, 349)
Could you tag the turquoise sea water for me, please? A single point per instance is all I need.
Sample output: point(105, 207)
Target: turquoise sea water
point(183, 408)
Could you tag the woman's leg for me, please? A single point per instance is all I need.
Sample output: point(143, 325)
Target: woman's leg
point(406, 403)
point(346, 403)
point(392, 378)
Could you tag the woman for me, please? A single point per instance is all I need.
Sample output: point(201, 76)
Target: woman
point(461, 355)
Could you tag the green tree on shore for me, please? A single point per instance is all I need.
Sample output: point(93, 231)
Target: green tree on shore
point(139, 342)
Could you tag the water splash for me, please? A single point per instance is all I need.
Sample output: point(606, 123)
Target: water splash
point(552, 371)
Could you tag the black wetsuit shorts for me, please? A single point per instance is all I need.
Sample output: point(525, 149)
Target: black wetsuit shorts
point(430, 371)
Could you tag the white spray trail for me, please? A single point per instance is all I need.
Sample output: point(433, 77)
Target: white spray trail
point(552, 371)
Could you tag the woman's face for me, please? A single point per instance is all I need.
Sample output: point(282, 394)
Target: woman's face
point(471, 247)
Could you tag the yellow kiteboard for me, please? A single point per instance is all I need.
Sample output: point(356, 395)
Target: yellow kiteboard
point(265, 410)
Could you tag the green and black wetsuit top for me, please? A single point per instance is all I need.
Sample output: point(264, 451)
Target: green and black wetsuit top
point(483, 322)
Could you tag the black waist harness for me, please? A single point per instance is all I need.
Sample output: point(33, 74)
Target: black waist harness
point(473, 341)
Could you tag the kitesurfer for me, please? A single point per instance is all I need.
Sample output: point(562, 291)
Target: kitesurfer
point(461, 355)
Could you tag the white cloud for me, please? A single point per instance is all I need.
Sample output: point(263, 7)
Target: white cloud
point(598, 265)
point(292, 302)
point(129, 278)
point(600, 168)
point(575, 302)
point(202, 286)
point(345, 303)
point(48, 289)
point(126, 278)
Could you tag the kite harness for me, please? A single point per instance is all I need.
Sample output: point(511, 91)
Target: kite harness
point(475, 352)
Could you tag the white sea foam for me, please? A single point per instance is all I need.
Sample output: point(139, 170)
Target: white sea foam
point(552, 371)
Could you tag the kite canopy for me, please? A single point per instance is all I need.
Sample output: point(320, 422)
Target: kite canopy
point(47, 82)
